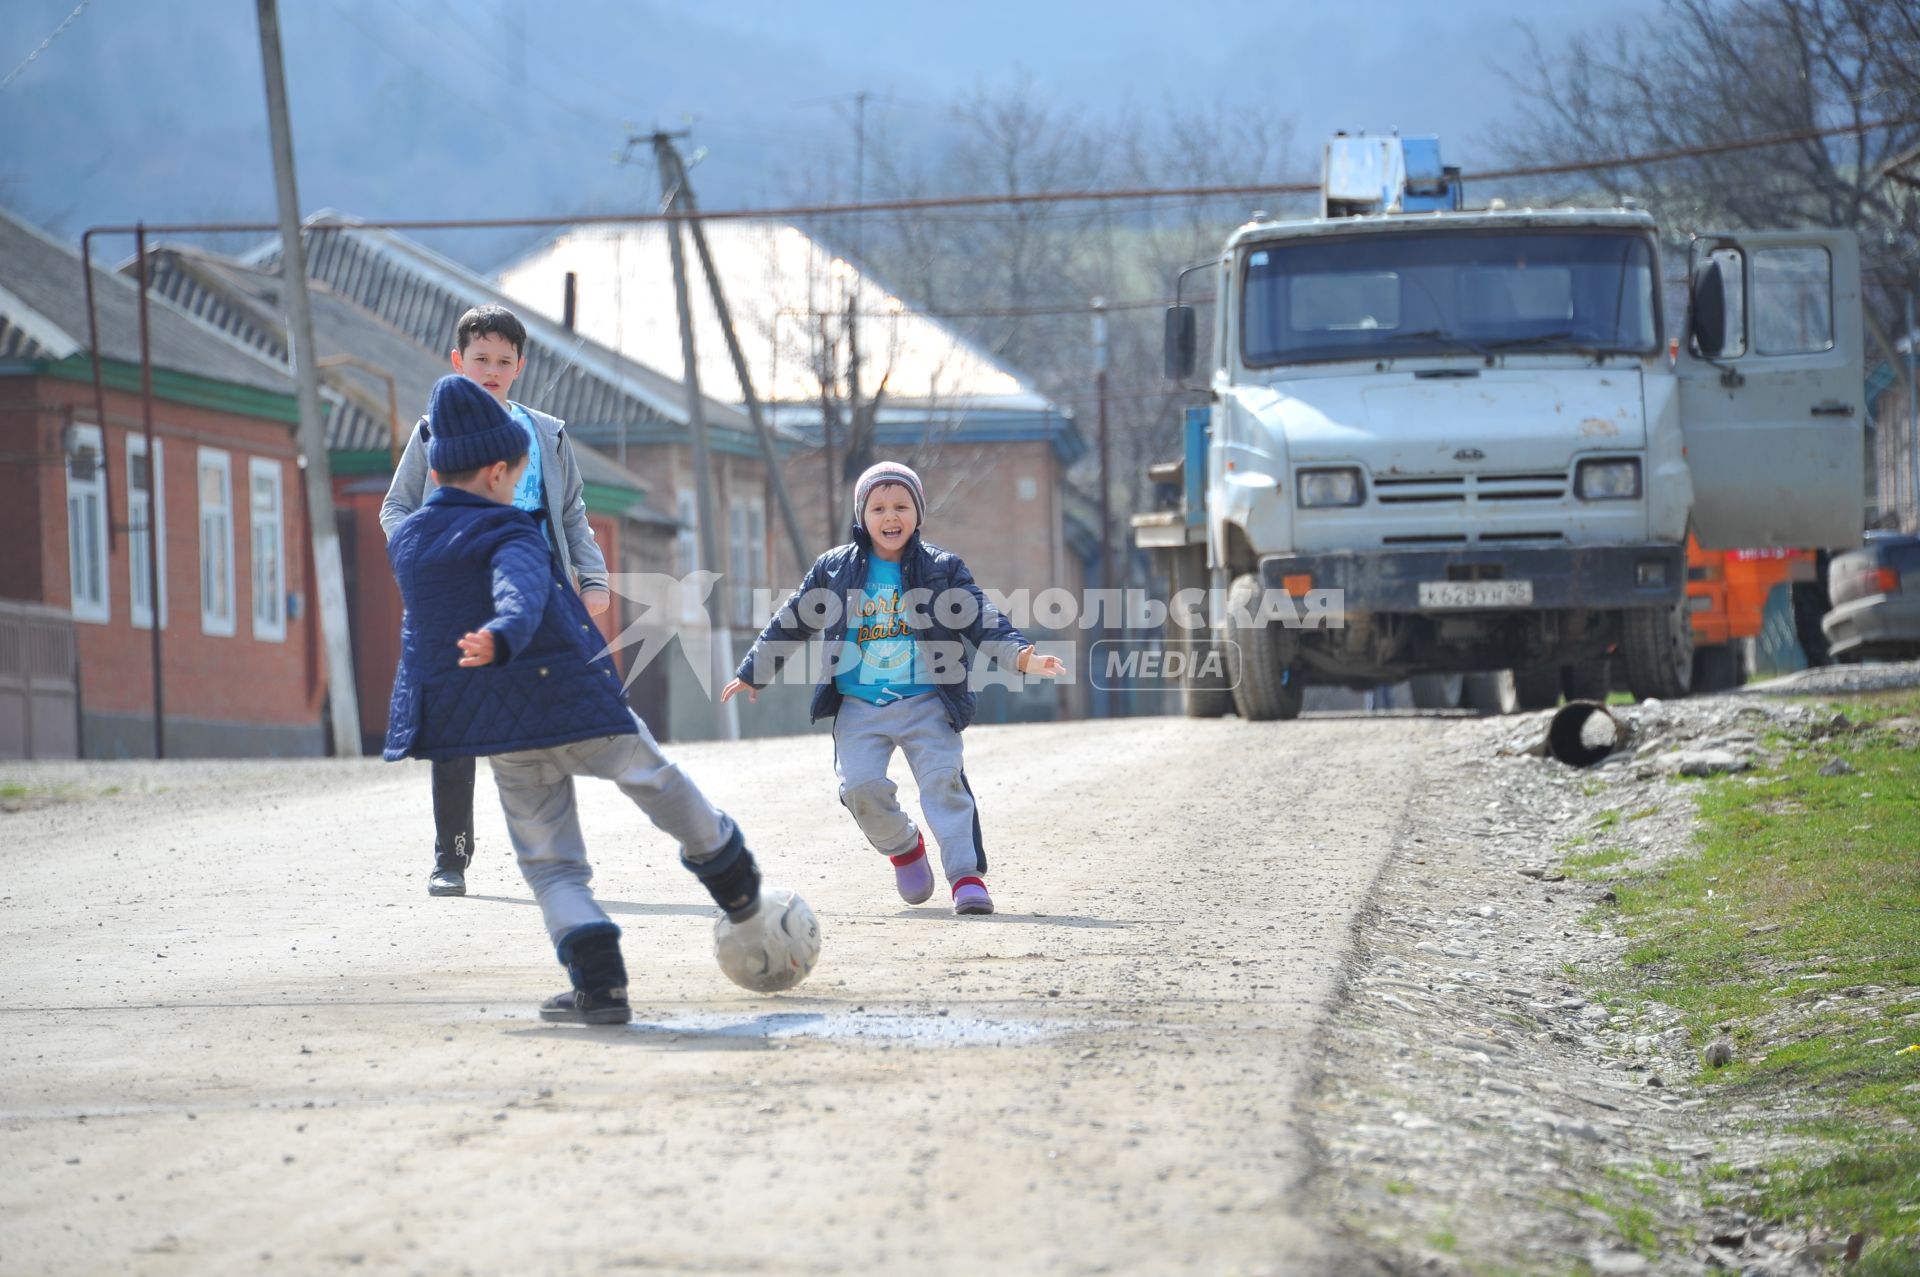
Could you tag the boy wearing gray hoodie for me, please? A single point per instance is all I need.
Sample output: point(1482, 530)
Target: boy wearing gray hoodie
point(489, 345)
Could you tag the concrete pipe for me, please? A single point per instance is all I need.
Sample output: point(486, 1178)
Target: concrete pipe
point(1584, 734)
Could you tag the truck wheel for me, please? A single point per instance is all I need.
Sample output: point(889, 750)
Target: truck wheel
point(1490, 692)
point(1587, 680)
point(1715, 669)
point(1538, 687)
point(1658, 645)
point(1436, 691)
point(1258, 658)
point(1203, 695)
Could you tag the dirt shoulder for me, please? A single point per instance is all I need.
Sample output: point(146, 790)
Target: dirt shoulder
point(1482, 1106)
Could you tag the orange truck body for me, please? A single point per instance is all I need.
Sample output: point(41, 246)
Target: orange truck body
point(1727, 590)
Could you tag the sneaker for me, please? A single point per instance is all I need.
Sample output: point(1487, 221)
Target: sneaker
point(912, 874)
point(970, 896)
point(587, 1006)
point(445, 880)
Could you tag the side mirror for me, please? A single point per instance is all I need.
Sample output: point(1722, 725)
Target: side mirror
point(1180, 346)
point(1709, 318)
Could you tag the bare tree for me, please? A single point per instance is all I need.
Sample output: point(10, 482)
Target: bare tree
point(1714, 72)
point(1018, 281)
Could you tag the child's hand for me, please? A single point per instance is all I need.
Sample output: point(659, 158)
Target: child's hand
point(1032, 662)
point(597, 601)
point(736, 687)
point(476, 649)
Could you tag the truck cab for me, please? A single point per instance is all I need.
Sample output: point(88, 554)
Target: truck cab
point(1472, 434)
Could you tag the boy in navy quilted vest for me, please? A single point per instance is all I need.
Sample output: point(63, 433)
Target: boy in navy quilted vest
point(489, 347)
point(499, 658)
point(902, 620)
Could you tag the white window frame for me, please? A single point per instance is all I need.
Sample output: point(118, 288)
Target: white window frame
point(746, 554)
point(212, 622)
point(686, 542)
point(88, 605)
point(270, 624)
point(686, 554)
point(137, 577)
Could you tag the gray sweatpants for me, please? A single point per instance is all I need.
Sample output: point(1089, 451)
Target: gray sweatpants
point(864, 738)
point(536, 792)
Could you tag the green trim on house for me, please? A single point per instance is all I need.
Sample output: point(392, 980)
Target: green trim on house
point(721, 439)
point(359, 462)
point(179, 387)
point(611, 500)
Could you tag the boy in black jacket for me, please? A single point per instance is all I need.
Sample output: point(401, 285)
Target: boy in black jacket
point(897, 677)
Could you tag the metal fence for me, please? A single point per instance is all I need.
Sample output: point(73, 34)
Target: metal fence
point(39, 683)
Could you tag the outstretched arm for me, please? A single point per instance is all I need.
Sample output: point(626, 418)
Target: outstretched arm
point(789, 626)
point(996, 638)
point(520, 586)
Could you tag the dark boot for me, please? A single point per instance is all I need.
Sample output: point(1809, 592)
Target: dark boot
point(599, 993)
point(730, 876)
point(449, 876)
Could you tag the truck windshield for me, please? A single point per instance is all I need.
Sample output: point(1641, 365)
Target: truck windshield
point(1428, 292)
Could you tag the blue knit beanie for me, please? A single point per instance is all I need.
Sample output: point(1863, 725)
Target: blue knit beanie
point(467, 428)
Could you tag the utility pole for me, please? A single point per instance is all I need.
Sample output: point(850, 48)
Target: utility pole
point(859, 146)
point(1100, 364)
point(329, 581)
point(153, 501)
point(1913, 416)
point(726, 716)
point(685, 199)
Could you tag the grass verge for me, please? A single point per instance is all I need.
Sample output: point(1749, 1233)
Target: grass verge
point(1794, 928)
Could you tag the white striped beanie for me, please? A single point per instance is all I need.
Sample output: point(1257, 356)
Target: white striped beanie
point(888, 472)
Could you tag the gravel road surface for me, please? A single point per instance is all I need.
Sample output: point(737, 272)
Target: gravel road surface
point(239, 1037)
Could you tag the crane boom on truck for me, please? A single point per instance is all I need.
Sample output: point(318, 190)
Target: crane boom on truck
point(1470, 428)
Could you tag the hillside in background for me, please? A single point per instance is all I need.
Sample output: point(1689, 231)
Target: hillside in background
point(432, 108)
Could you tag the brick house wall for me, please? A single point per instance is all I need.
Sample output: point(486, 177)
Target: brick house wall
point(996, 505)
point(233, 695)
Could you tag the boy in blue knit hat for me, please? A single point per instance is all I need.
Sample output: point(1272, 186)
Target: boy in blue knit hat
point(498, 658)
point(489, 348)
point(906, 619)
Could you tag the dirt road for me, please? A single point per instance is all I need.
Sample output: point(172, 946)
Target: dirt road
point(239, 1037)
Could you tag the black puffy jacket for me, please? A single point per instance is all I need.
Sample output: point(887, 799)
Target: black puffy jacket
point(950, 618)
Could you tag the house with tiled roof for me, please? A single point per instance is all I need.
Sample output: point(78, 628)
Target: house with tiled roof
point(946, 403)
point(993, 450)
point(627, 410)
point(237, 650)
point(375, 379)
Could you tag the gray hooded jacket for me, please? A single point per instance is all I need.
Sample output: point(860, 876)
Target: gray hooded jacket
point(572, 537)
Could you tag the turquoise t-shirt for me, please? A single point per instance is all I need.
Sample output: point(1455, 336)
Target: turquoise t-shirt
point(531, 495)
point(879, 631)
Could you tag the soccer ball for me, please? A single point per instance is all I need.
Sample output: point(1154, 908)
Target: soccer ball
point(774, 949)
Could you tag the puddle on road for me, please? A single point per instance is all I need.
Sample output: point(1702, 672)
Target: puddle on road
point(844, 1026)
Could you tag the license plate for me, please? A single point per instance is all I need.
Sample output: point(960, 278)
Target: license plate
point(1476, 593)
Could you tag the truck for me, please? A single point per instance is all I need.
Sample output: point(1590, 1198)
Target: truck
point(1727, 594)
point(1468, 435)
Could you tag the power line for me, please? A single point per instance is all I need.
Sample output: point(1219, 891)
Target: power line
point(920, 203)
point(46, 43)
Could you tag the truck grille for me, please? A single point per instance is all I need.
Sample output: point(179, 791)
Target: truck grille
point(1477, 489)
point(1460, 538)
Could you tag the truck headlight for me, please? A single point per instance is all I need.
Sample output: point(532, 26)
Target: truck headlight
point(1322, 488)
point(1612, 479)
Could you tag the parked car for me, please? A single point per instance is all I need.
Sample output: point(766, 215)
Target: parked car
point(1876, 599)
